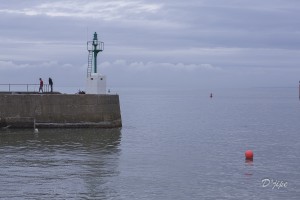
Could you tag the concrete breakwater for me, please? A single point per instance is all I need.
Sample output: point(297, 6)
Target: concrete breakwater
point(60, 110)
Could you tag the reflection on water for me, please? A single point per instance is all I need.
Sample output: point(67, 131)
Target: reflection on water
point(249, 167)
point(59, 163)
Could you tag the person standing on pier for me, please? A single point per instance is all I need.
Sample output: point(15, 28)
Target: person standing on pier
point(41, 85)
point(51, 84)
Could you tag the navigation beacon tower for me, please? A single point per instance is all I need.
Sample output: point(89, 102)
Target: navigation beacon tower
point(96, 83)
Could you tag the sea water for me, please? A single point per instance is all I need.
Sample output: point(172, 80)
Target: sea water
point(174, 144)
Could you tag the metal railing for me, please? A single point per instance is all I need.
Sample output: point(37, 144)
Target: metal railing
point(23, 87)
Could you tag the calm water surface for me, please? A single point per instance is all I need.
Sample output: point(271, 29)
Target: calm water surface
point(174, 144)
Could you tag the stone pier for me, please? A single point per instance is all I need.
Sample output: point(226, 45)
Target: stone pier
point(60, 110)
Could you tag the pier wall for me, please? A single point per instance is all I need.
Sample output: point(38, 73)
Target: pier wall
point(60, 110)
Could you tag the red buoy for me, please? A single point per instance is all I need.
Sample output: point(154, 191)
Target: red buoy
point(249, 155)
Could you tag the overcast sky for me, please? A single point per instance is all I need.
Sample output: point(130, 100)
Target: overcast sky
point(153, 43)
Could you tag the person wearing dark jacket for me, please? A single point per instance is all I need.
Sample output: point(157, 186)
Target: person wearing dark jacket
point(51, 84)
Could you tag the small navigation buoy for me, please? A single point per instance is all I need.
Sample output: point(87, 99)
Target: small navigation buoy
point(211, 95)
point(249, 155)
point(35, 130)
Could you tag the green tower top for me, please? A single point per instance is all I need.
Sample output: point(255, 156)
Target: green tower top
point(94, 47)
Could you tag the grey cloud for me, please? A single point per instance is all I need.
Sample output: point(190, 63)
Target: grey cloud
point(106, 10)
point(239, 37)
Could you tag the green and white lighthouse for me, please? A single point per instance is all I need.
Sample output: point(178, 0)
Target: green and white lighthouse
point(96, 82)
